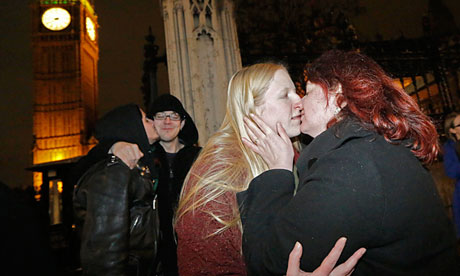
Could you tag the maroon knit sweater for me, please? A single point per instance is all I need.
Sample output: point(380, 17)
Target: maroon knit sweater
point(201, 254)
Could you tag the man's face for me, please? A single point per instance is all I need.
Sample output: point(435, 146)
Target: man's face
point(168, 129)
point(281, 104)
point(152, 135)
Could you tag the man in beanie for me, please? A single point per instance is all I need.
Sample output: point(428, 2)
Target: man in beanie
point(176, 151)
point(114, 204)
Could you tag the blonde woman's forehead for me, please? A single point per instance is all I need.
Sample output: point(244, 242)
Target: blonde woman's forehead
point(282, 74)
point(282, 80)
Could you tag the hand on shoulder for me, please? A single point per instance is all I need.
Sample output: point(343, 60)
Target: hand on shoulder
point(128, 153)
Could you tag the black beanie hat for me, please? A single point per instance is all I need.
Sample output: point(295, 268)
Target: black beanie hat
point(167, 102)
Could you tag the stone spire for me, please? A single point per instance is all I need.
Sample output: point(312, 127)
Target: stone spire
point(149, 77)
point(203, 53)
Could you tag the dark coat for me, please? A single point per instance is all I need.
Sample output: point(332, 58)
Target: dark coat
point(168, 195)
point(353, 183)
point(169, 188)
point(115, 211)
point(114, 205)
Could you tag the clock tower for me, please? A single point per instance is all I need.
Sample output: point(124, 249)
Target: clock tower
point(65, 55)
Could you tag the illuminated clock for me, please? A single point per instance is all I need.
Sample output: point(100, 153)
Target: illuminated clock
point(90, 28)
point(56, 19)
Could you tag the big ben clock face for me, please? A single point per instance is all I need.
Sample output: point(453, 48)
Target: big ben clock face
point(56, 19)
point(90, 29)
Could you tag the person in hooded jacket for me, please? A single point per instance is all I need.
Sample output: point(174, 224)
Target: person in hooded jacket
point(175, 151)
point(115, 205)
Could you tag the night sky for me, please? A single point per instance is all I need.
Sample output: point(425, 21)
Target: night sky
point(123, 26)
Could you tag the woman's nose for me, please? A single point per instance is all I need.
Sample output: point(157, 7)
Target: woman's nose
point(298, 105)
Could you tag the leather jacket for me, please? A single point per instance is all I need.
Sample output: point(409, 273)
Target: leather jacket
point(117, 218)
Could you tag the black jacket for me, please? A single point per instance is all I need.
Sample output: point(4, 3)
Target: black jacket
point(168, 195)
point(114, 205)
point(355, 184)
point(115, 208)
point(169, 188)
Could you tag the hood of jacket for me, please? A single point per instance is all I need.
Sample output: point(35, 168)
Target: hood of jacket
point(124, 123)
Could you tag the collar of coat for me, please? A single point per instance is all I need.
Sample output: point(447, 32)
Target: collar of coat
point(331, 139)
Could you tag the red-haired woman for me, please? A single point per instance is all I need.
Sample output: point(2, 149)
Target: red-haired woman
point(362, 176)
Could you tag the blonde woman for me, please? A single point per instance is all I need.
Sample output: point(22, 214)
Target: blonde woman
point(208, 224)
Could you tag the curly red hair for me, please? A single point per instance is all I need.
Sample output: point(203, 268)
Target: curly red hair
point(375, 100)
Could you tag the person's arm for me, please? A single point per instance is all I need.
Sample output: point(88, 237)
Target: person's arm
point(105, 232)
point(334, 200)
point(257, 211)
point(451, 161)
point(128, 153)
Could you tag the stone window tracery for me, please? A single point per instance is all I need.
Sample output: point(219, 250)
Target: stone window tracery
point(202, 11)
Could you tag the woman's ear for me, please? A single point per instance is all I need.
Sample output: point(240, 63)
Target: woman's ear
point(338, 94)
point(338, 90)
point(182, 124)
point(452, 130)
point(342, 105)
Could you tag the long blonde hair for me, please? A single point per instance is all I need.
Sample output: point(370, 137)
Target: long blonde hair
point(225, 164)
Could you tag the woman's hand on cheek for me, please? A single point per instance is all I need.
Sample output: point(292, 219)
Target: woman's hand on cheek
point(275, 148)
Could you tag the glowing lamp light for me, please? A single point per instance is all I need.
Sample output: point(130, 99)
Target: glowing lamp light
point(59, 186)
point(37, 185)
point(405, 83)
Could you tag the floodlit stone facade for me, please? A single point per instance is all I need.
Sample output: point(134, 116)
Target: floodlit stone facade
point(202, 55)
